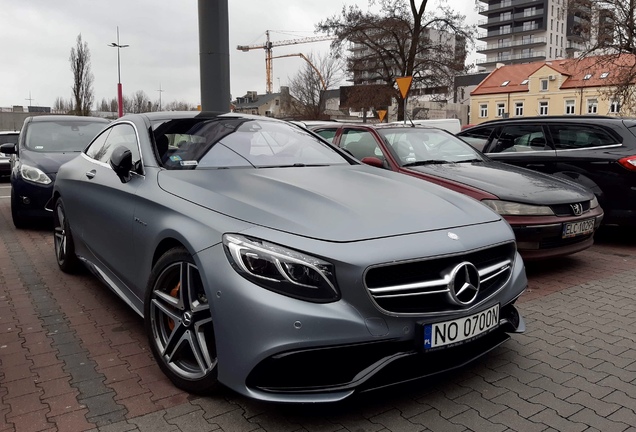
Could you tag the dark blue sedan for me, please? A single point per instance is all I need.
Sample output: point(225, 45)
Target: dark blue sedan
point(45, 143)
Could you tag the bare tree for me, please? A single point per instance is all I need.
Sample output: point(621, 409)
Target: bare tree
point(178, 106)
point(607, 31)
point(402, 39)
point(63, 106)
point(139, 102)
point(108, 105)
point(82, 77)
point(309, 84)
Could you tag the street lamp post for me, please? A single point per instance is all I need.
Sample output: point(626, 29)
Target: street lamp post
point(120, 105)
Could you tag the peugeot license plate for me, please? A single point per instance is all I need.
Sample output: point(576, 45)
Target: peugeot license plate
point(573, 229)
point(460, 330)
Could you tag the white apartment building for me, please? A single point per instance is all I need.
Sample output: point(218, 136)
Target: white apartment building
point(522, 31)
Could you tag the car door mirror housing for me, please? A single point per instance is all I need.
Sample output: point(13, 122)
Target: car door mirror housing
point(373, 161)
point(121, 162)
point(8, 148)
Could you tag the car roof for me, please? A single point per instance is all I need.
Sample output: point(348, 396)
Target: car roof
point(378, 126)
point(69, 118)
point(594, 118)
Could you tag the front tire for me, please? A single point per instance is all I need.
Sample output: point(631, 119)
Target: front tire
point(63, 240)
point(179, 324)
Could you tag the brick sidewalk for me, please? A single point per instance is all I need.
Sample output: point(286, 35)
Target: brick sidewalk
point(73, 357)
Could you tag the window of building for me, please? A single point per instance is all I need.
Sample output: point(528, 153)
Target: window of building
point(505, 83)
point(483, 110)
point(615, 106)
point(518, 109)
point(604, 75)
point(587, 77)
point(524, 82)
point(501, 109)
point(592, 106)
point(551, 24)
point(544, 85)
point(569, 106)
point(528, 25)
point(543, 108)
point(550, 37)
point(505, 16)
point(550, 51)
point(505, 29)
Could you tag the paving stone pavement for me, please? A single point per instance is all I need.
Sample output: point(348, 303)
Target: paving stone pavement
point(73, 357)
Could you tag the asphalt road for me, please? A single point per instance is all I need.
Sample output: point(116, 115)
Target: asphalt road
point(73, 357)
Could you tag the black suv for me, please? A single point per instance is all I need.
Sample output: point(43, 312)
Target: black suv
point(598, 152)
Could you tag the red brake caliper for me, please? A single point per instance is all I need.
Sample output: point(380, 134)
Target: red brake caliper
point(174, 293)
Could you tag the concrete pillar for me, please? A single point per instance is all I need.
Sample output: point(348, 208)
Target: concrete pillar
point(214, 55)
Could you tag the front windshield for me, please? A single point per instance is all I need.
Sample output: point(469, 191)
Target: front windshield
point(61, 135)
point(418, 146)
point(231, 142)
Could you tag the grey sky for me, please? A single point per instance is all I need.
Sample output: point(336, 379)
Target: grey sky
point(37, 36)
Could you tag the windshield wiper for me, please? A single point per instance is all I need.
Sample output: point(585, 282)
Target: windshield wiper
point(469, 160)
point(427, 162)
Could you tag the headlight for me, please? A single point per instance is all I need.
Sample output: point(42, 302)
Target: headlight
point(507, 208)
point(593, 202)
point(282, 270)
point(34, 175)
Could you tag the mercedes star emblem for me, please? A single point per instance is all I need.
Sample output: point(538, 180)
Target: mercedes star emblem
point(463, 286)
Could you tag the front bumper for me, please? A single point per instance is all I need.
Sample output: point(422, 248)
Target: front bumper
point(276, 348)
point(31, 198)
point(542, 237)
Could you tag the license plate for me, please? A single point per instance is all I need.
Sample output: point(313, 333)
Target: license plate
point(461, 329)
point(573, 229)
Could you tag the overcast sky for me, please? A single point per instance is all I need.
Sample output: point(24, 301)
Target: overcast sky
point(37, 36)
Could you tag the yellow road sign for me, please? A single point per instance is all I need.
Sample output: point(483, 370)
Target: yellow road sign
point(404, 84)
point(381, 115)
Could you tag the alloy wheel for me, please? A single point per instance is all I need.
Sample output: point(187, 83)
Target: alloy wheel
point(181, 322)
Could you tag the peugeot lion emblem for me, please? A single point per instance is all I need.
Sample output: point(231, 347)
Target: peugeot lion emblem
point(463, 286)
point(453, 236)
point(577, 209)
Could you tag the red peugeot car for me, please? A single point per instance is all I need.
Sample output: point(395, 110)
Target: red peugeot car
point(550, 216)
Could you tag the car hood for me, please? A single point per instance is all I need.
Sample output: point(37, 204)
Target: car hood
point(48, 162)
point(510, 183)
point(336, 203)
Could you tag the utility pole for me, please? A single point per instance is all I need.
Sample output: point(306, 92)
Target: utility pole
point(160, 91)
point(30, 99)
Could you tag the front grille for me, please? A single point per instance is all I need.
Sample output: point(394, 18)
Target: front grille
point(422, 286)
point(566, 209)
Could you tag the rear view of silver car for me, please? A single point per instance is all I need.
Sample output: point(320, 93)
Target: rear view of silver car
point(7, 137)
point(266, 260)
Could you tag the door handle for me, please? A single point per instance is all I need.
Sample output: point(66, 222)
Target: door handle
point(90, 174)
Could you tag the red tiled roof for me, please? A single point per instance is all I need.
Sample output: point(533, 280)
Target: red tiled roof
point(575, 71)
point(515, 74)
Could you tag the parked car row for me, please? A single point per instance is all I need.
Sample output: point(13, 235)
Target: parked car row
point(550, 216)
point(259, 251)
point(598, 152)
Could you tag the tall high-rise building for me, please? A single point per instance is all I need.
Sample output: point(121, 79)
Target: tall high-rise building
point(522, 31)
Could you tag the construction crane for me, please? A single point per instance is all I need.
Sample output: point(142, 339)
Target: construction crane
point(268, 45)
point(322, 81)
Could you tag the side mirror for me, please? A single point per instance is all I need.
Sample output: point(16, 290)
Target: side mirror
point(373, 161)
point(121, 162)
point(8, 148)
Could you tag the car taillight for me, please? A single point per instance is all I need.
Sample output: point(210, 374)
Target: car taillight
point(628, 162)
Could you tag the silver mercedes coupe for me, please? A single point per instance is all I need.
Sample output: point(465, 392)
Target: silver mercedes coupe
point(264, 259)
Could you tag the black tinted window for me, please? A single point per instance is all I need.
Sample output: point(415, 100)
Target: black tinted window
point(327, 134)
point(119, 135)
point(579, 136)
point(9, 138)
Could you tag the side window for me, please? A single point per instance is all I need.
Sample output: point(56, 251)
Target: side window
point(360, 144)
point(519, 138)
point(477, 137)
point(120, 135)
point(579, 136)
point(327, 134)
point(96, 146)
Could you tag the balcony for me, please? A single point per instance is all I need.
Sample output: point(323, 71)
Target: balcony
point(504, 5)
point(515, 58)
point(485, 23)
point(526, 15)
point(535, 41)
